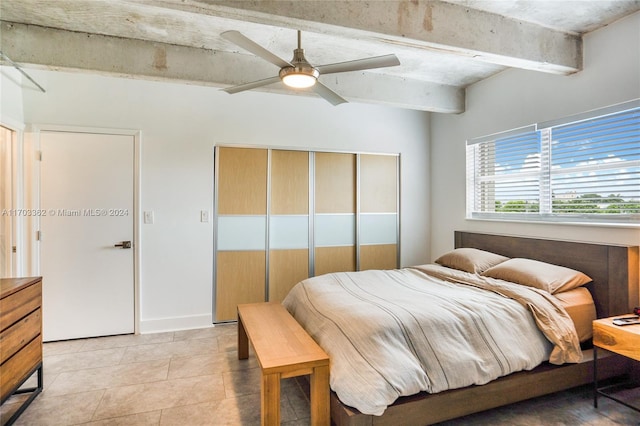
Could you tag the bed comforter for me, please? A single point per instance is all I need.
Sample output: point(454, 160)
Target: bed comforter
point(428, 328)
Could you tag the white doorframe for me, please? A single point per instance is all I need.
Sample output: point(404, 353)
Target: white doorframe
point(17, 194)
point(137, 140)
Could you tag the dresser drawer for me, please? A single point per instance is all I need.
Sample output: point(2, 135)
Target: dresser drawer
point(19, 334)
point(20, 366)
point(20, 304)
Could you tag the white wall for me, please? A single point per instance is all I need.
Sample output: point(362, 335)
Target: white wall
point(180, 125)
point(11, 112)
point(515, 98)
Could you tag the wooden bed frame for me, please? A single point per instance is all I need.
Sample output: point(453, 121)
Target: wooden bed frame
point(614, 270)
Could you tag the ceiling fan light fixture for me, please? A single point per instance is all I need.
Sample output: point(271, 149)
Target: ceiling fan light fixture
point(300, 74)
point(299, 77)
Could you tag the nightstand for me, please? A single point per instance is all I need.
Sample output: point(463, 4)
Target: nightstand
point(623, 340)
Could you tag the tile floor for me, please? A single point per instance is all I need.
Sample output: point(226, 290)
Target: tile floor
point(194, 378)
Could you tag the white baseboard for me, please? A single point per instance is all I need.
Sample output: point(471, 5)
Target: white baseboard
point(175, 323)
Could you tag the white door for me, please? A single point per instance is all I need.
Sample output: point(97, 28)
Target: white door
point(86, 199)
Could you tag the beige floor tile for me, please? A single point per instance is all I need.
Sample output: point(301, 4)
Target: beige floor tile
point(170, 350)
point(242, 382)
point(132, 399)
point(215, 413)
point(108, 377)
point(297, 398)
point(209, 364)
point(228, 342)
point(156, 351)
point(127, 340)
point(201, 333)
point(203, 346)
point(150, 418)
point(62, 410)
point(243, 410)
point(62, 347)
point(55, 364)
point(297, 422)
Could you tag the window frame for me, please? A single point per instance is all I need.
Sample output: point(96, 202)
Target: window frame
point(476, 200)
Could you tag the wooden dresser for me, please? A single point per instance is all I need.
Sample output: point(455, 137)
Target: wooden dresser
point(20, 338)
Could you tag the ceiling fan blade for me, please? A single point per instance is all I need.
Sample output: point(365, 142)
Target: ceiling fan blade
point(360, 64)
point(249, 45)
point(328, 94)
point(252, 85)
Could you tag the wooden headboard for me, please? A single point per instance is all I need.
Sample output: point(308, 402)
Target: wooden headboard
point(613, 268)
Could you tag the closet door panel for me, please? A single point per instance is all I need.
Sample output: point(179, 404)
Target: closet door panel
point(286, 269)
point(335, 230)
point(335, 208)
point(381, 256)
point(378, 211)
point(335, 182)
point(240, 278)
point(378, 183)
point(242, 181)
point(335, 259)
point(378, 228)
point(288, 232)
point(240, 274)
point(241, 233)
point(288, 222)
point(289, 182)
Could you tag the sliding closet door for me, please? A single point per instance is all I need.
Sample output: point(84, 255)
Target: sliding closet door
point(378, 236)
point(284, 215)
point(288, 222)
point(335, 208)
point(241, 228)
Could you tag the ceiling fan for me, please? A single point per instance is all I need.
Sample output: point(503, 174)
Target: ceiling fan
point(299, 73)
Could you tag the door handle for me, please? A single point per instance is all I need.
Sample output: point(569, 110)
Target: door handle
point(124, 245)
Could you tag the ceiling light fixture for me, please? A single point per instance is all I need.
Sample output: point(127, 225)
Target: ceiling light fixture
point(301, 74)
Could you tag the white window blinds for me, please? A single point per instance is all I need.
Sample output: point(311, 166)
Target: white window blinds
point(584, 169)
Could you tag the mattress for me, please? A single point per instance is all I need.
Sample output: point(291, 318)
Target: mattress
point(581, 308)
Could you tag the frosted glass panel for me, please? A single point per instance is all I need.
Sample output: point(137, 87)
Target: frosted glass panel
point(335, 230)
point(378, 228)
point(241, 232)
point(289, 232)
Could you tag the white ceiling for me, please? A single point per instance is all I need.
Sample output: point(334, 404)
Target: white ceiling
point(442, 46)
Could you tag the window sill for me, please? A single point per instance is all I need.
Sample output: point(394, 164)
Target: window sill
point(568, 223)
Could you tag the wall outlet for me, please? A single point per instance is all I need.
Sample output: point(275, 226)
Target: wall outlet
point(204, 216)
point(148, 217)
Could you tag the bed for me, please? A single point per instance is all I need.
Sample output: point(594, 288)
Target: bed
point(547, 362)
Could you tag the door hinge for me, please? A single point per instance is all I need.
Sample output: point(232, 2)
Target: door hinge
point(14, 249)
point(38, 235)
point(39, 155)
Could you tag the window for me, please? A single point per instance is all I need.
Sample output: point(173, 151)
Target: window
point(582, 169)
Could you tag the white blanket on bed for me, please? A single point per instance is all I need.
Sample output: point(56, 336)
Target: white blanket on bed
point(398, 332)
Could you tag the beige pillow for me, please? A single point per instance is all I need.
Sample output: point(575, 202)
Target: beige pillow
point(533, 273)
point(470, 260)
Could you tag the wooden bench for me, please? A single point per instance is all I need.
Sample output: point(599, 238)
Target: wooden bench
point(283, 349)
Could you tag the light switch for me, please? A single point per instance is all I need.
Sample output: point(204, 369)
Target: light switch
point(204, 216)
point(148, 217)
